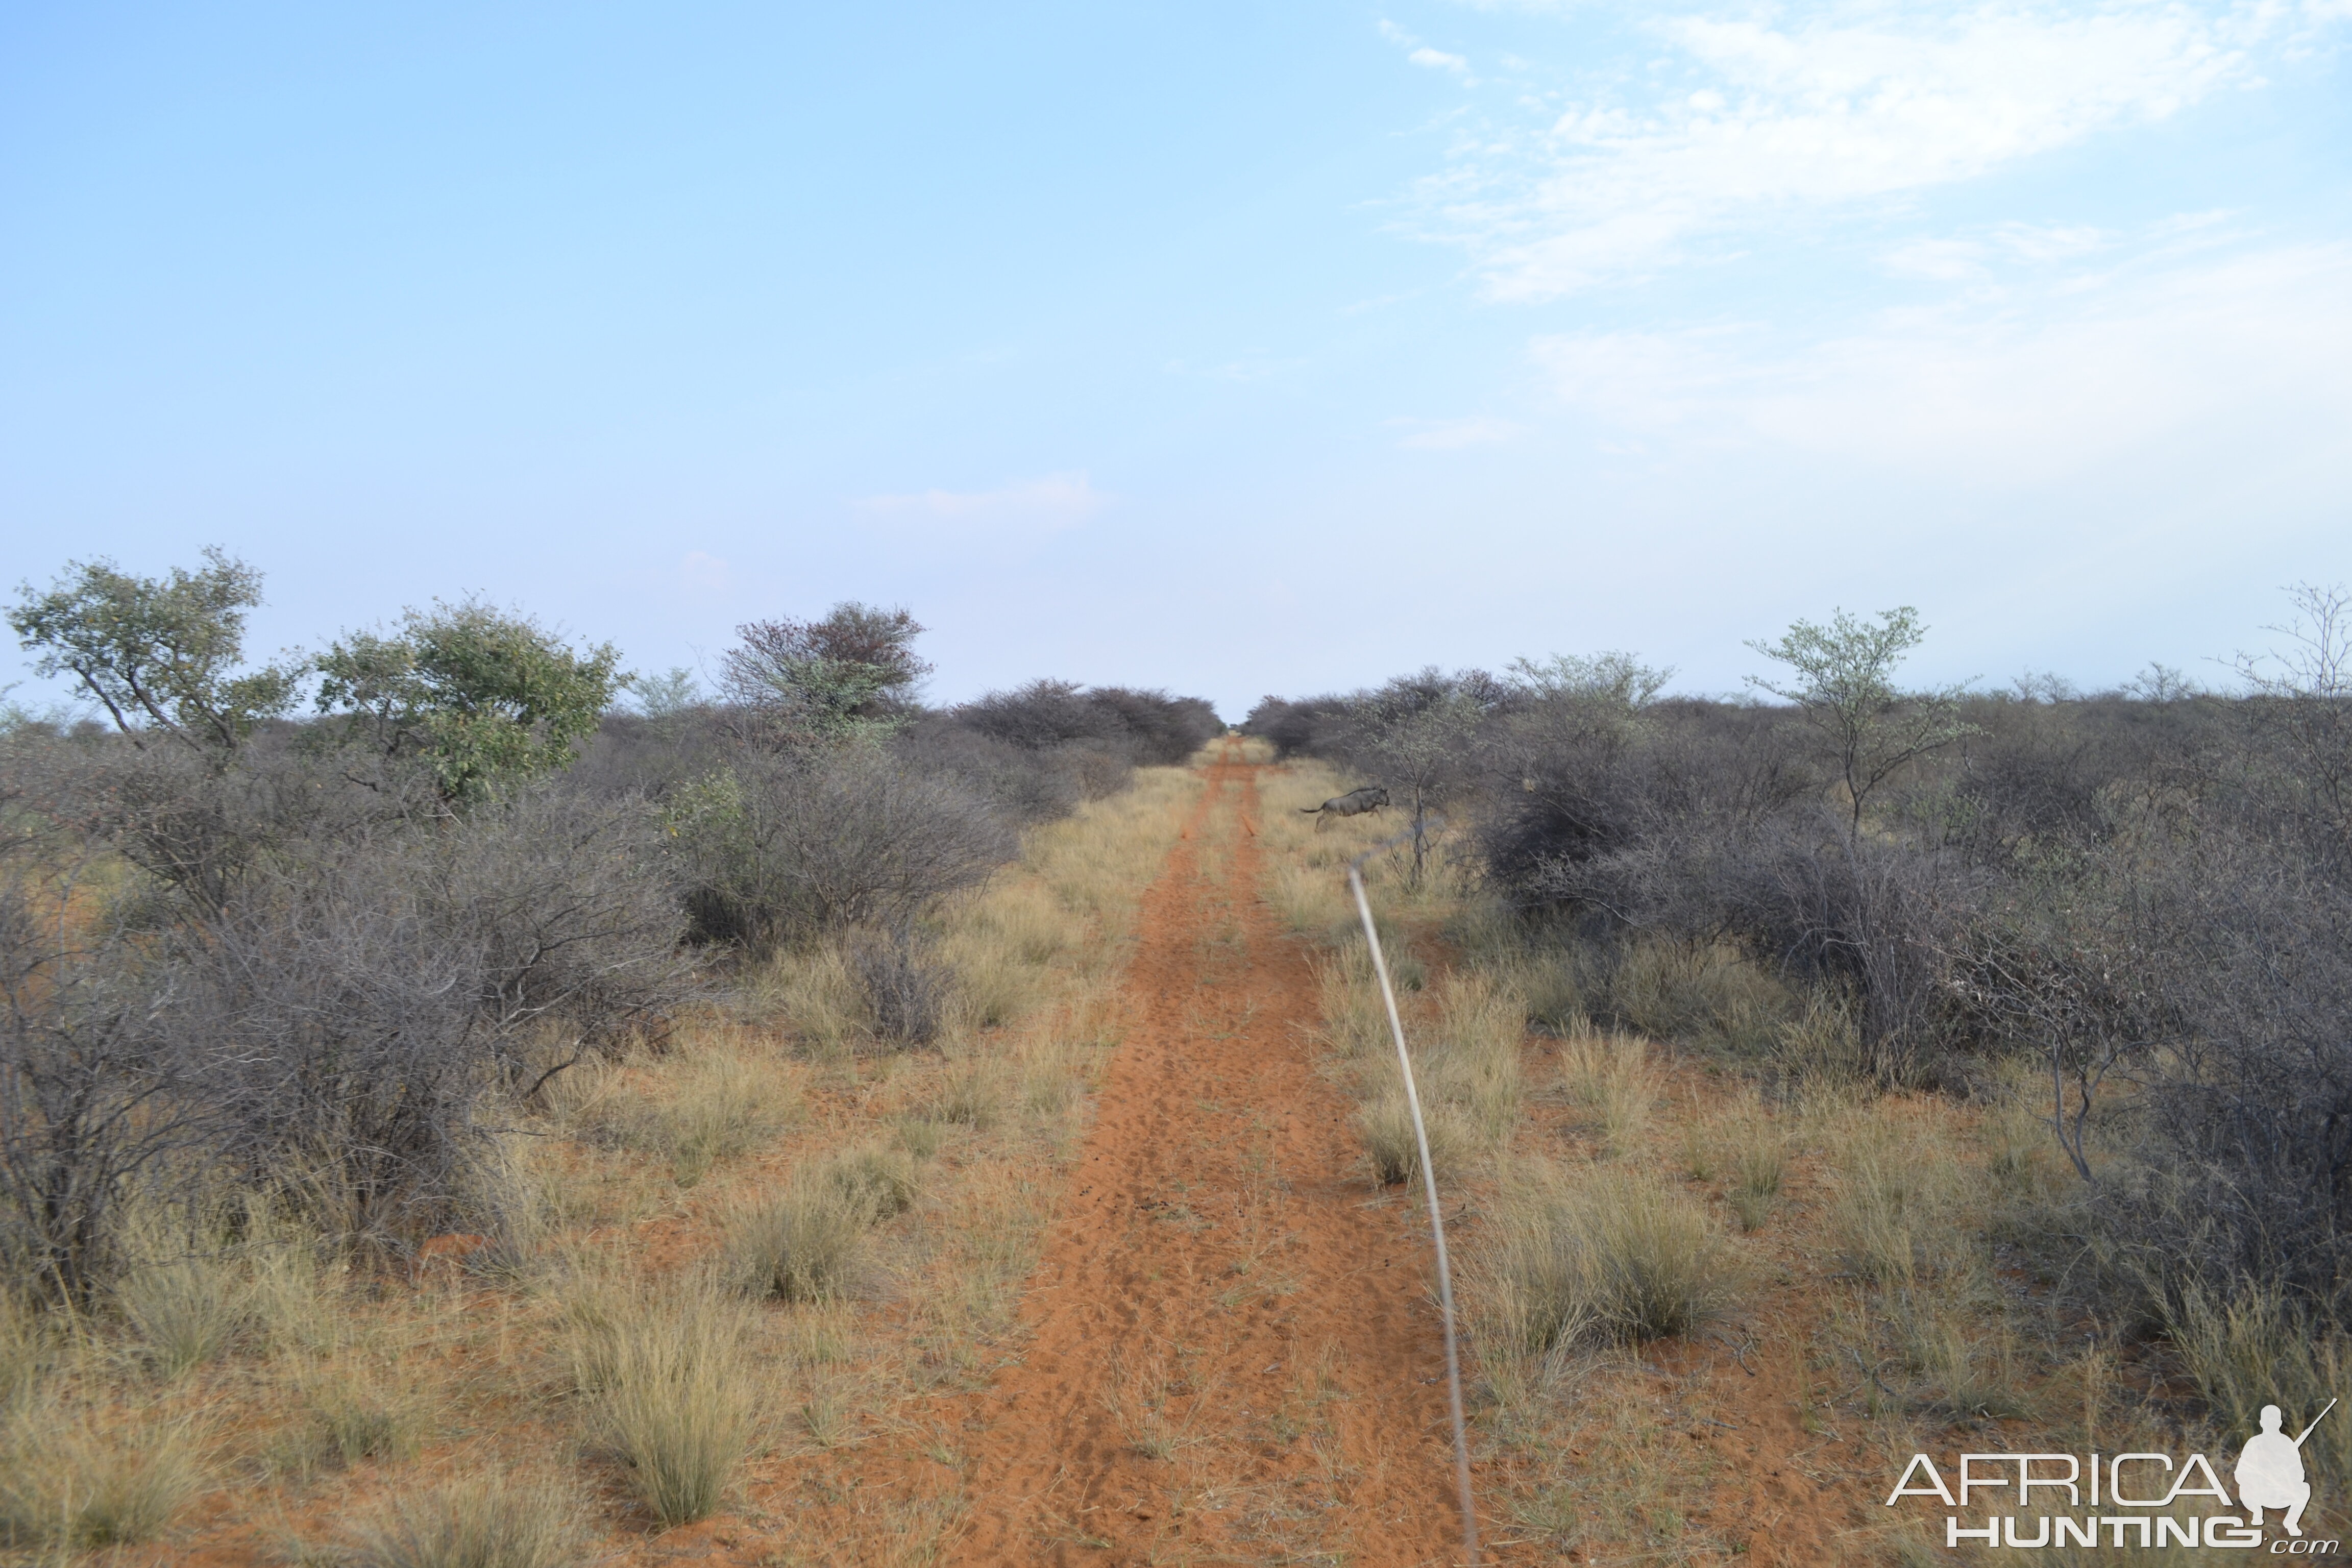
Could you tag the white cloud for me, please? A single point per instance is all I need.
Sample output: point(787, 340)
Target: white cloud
point(1955, 260)
point(1644, 380)
point(705, 574)
point(2021, 390)
point(1043, 505)
point(1421, 55)
point(1257, 365)
point(1938, 260)
point(2050, 241)
point(1453, 435)
point(1816, 114)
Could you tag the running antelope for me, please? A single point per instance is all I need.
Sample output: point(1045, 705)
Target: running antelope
point(1371, 797)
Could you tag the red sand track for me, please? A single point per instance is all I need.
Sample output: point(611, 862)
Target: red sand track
point(1233, 1356)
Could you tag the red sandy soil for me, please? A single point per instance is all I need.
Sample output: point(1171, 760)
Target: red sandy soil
point(1218, 1232)
point(1218, 1142)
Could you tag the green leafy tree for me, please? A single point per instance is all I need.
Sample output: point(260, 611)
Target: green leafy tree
point(1843, 684)
point(667, 694)
point(849, 676)
point(161, 654)
point(481, 697)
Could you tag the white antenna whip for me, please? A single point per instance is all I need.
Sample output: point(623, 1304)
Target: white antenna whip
point(1436, 1216)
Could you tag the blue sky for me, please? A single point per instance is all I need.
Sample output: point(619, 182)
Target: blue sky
point(1229, 348)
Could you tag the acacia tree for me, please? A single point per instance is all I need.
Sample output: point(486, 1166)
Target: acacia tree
point(2303, 694)
point(1413, 733)
point(667, 694)
point(849, 675)
point(161, 654)
point(1611, 680)
point(1597, 701)
point(1845, 687)
point(480, 696)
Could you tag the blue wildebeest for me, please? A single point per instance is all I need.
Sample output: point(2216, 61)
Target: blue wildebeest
point(1371, 797)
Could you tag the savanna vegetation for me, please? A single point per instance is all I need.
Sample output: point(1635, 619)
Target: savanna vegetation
point(1986, 1050)
point(462, 1101)
point(450, 1085)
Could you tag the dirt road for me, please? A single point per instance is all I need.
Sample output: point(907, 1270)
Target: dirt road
point(1232, 1355)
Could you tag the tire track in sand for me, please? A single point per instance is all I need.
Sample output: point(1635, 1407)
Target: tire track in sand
point(1232, 1355)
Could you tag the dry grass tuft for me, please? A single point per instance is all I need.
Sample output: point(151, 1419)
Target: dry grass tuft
point(1142, 1400)
point(2254, 1349)
point(713, 1098)
point(2022, 1156)
point(1599, 1258)
point(1054, 1069)
point(880, 1182)
point(918, 1135)
point(296, 1299)
point(185, 1312)
point(1974, 1377)
point(1355, 1021)
point(1551, 993)
point(478, 1522)
point(908, 987)
point(1608, 1078)
point(68, 1483)
point(815, 992)
point(1704, 995)
point(673, 1395)
point(804, 1243)
point(1754, 1153)
point(1822, 1045)
point(1385, 1125)
point(971, 1093)
point(358, 1417)
point(1005, 949)
point(1898, 1199)
point(724, 1105)
point(26, 1350)
point(1472, 1062)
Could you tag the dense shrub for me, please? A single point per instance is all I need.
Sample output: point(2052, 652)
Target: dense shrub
point(1306, 728)
point(782, 845)
point(2249, 1092)
point(322, 958)
point(1139, 728)
point(577, 914)
point(1029, 785)
point(337, 1034)
point(268, 966)
point(2148, 892)
point(93, 1094)
point(906, 985)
